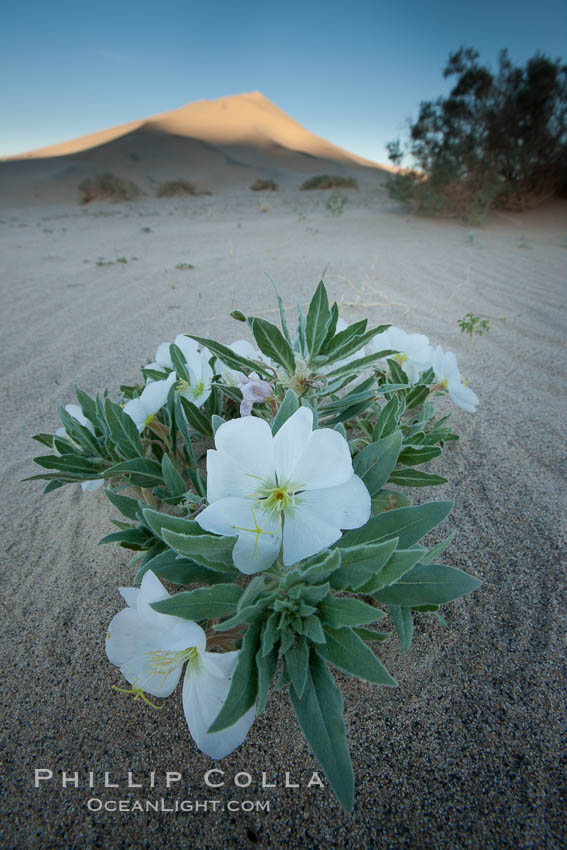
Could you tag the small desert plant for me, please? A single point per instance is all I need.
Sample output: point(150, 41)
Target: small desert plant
point(336, 203)
point(329, 181)
point(174, 188)
point(498, 140)
point(471, 324)
point(262, 185)
point(107, 187)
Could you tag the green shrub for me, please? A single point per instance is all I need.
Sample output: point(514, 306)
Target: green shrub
point(329, 181)
point(497, 140)
point(261, 185)
point(174, 188)
point(107, 187)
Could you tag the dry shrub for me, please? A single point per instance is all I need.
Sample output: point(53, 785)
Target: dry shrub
point(175, 188)
point(107, 187)
point(262, 185)
point(329, 181)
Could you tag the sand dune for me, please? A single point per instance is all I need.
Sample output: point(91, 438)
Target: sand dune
point(219, 144)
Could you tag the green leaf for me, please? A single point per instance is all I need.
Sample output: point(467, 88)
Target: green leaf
point(332, 324)
point(216, 422)
point(79, 433)
point(196, 418)
point(127, 506)
point(178, 570)
point(342, 338)
point(159, 522)
point(297, 664)
point(320, 715)
point(415, 478)
point(204, 603)
point(401, 561)
point(425, 585)
point(387, 422)
point(318, 317)
point(230, 358)
point(244, 683)
point(345, 650)
point(179, 362)
point(244, 614)
point(87, 404)
point(141, 472)
point(375, 463)
point(123, 431)
point(397, 373)
point(340, 350)
point(403, 623)
point(409, 524)
point(414, 455)
point(53, 485)
point(44, 439)
point(266, 666)
point(355, 366)
point(273, 344)
point(130, 538)
point(270, 632)
point(416, 396)
point(318, 568)
point(389, 500)
point(287, 408)
point(252, 591)
point(343, 611)
point(312, 629)
point(359, 564)
point(172, 479)
point(281, 310)
point(207, 549)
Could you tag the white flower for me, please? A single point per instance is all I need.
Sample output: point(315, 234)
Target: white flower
point(76, 412)
point(447, 373)
point(415, 352)
point(163, 362)
point(143, 409)
point(297, 489)
point(198, 388)
point(151, 648)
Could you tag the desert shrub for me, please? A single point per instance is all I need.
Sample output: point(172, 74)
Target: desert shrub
point(173, 188)
point(261, 185)
point(329, 181)
point(497, 140)
point(107, 187)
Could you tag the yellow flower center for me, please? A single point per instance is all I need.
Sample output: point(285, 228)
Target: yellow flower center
point(163, 662)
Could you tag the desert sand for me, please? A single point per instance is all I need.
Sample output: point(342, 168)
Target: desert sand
point(467, 752)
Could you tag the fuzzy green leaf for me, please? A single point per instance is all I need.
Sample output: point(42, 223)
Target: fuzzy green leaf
point(425, 585)
point(244, 683)
point(345, 650)
point(409, 524)
point(203, 603)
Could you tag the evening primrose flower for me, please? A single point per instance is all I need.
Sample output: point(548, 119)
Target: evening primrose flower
point(447, 373)
point(151, 648)
point(77, 413)
point(198, 388)
point(143, 409)
point(163, 362)
point(252, 392)
point(415, 352)
point(293, 492)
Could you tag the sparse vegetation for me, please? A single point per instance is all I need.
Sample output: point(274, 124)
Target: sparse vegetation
point(329, 181)
point(471, 324)
point(175, 188)
point(498, 140)
point(107, 187)
point(336, 203)
point(262, 185)
point(184, 266)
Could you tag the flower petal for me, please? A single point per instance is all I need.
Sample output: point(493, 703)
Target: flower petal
point(290, 441)
point(463, 396)
point(324, 462)
point(248, 442)
point(136, 410)
point(225, 478)
point(204, 695)
point(259, 536)
point(305, 534)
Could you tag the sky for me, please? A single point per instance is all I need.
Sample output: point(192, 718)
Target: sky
point(351, 72)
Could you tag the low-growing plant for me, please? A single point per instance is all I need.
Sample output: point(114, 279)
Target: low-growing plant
point(326, 181)
point(336, 203)
point(263, 185)
point(295, 541)
point(471, 324)
point(179, 187)
point(107, 187)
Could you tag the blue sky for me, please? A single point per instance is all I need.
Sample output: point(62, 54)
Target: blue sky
point(350, 72)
